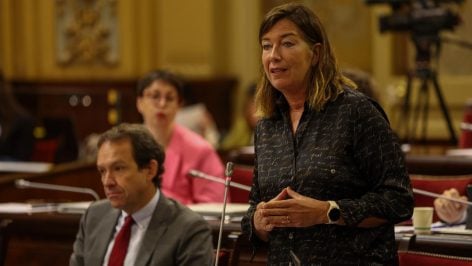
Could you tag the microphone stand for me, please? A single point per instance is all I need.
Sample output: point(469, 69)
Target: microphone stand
point(228, 174)
point(21, 183)
point(435, 195)
point(202, 175)
point(296, 261)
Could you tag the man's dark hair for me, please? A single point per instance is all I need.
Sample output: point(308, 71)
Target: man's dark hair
point(145, 148)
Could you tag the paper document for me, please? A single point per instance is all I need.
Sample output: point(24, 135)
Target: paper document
point(437, 227)
point(215, 209)
point(443, 228)
point(459, 152)
point(25, 167)
point(73, 207)
point(16, 207)
point(67, 207)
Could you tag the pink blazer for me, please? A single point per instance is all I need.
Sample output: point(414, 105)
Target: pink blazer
point(186, 151)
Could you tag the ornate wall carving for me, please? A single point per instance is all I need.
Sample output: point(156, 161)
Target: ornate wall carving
point(86, 32)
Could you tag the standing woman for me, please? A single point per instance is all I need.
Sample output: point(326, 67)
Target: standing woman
point(160, 96)
point(16, 127)
point(329, 180)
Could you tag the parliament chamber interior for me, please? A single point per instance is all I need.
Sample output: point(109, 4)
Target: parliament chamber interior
point(73, 67)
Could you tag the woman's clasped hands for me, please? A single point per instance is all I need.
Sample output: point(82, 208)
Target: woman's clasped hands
point(289, 209)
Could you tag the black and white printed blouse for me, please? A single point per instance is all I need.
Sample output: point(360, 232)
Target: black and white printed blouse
point(348, 153)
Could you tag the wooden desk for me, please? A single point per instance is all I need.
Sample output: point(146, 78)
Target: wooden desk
point(47, 239)
point(449, 244)
point(439, 165)
point(77, 174)
point(43, 238)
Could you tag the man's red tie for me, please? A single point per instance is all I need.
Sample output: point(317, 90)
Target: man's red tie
point(120, 247)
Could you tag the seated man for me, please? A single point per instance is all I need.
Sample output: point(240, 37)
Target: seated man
point(452, 212)
point(161, 231)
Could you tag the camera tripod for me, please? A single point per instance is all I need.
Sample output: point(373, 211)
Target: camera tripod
point(426, 76)
point(424, 43)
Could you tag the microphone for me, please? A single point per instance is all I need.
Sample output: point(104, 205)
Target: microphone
point(196, 173)
point(228, 174)
point(435, 195)
point(21, 183)
point(296, 261)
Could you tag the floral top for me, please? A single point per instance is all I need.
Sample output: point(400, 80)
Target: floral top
point(348, 153)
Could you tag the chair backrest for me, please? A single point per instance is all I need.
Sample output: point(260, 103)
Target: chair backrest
point(59, 143)
point(223, 257)
point(243, 155)
point(242, 174)
point(413, 258)
point(3, 241)
point(437, 184)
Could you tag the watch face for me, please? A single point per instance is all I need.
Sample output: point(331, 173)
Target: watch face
point(334, 214)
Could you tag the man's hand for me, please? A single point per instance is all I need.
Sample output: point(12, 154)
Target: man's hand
point(450, 211)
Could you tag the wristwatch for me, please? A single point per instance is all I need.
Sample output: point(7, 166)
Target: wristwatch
point(334, 214)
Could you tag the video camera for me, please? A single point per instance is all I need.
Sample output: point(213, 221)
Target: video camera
point(421, 17)
point(424, 19)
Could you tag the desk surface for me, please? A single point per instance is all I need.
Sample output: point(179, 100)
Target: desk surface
point(47, 238)
point(448, 244)
point(76, 174)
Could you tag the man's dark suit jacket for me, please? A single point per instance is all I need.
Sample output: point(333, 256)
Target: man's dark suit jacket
point(175, 236)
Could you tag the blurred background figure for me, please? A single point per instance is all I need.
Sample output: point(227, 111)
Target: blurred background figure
point(196, 117)
point(364, 81)
point(88, 148)
point(160, 97)
point(16, 127)
point(242, 133)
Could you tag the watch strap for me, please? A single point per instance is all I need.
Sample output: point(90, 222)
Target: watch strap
point(333, 213)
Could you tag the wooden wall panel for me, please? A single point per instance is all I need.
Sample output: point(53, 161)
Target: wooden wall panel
point(88, 104)
point(211, 38)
